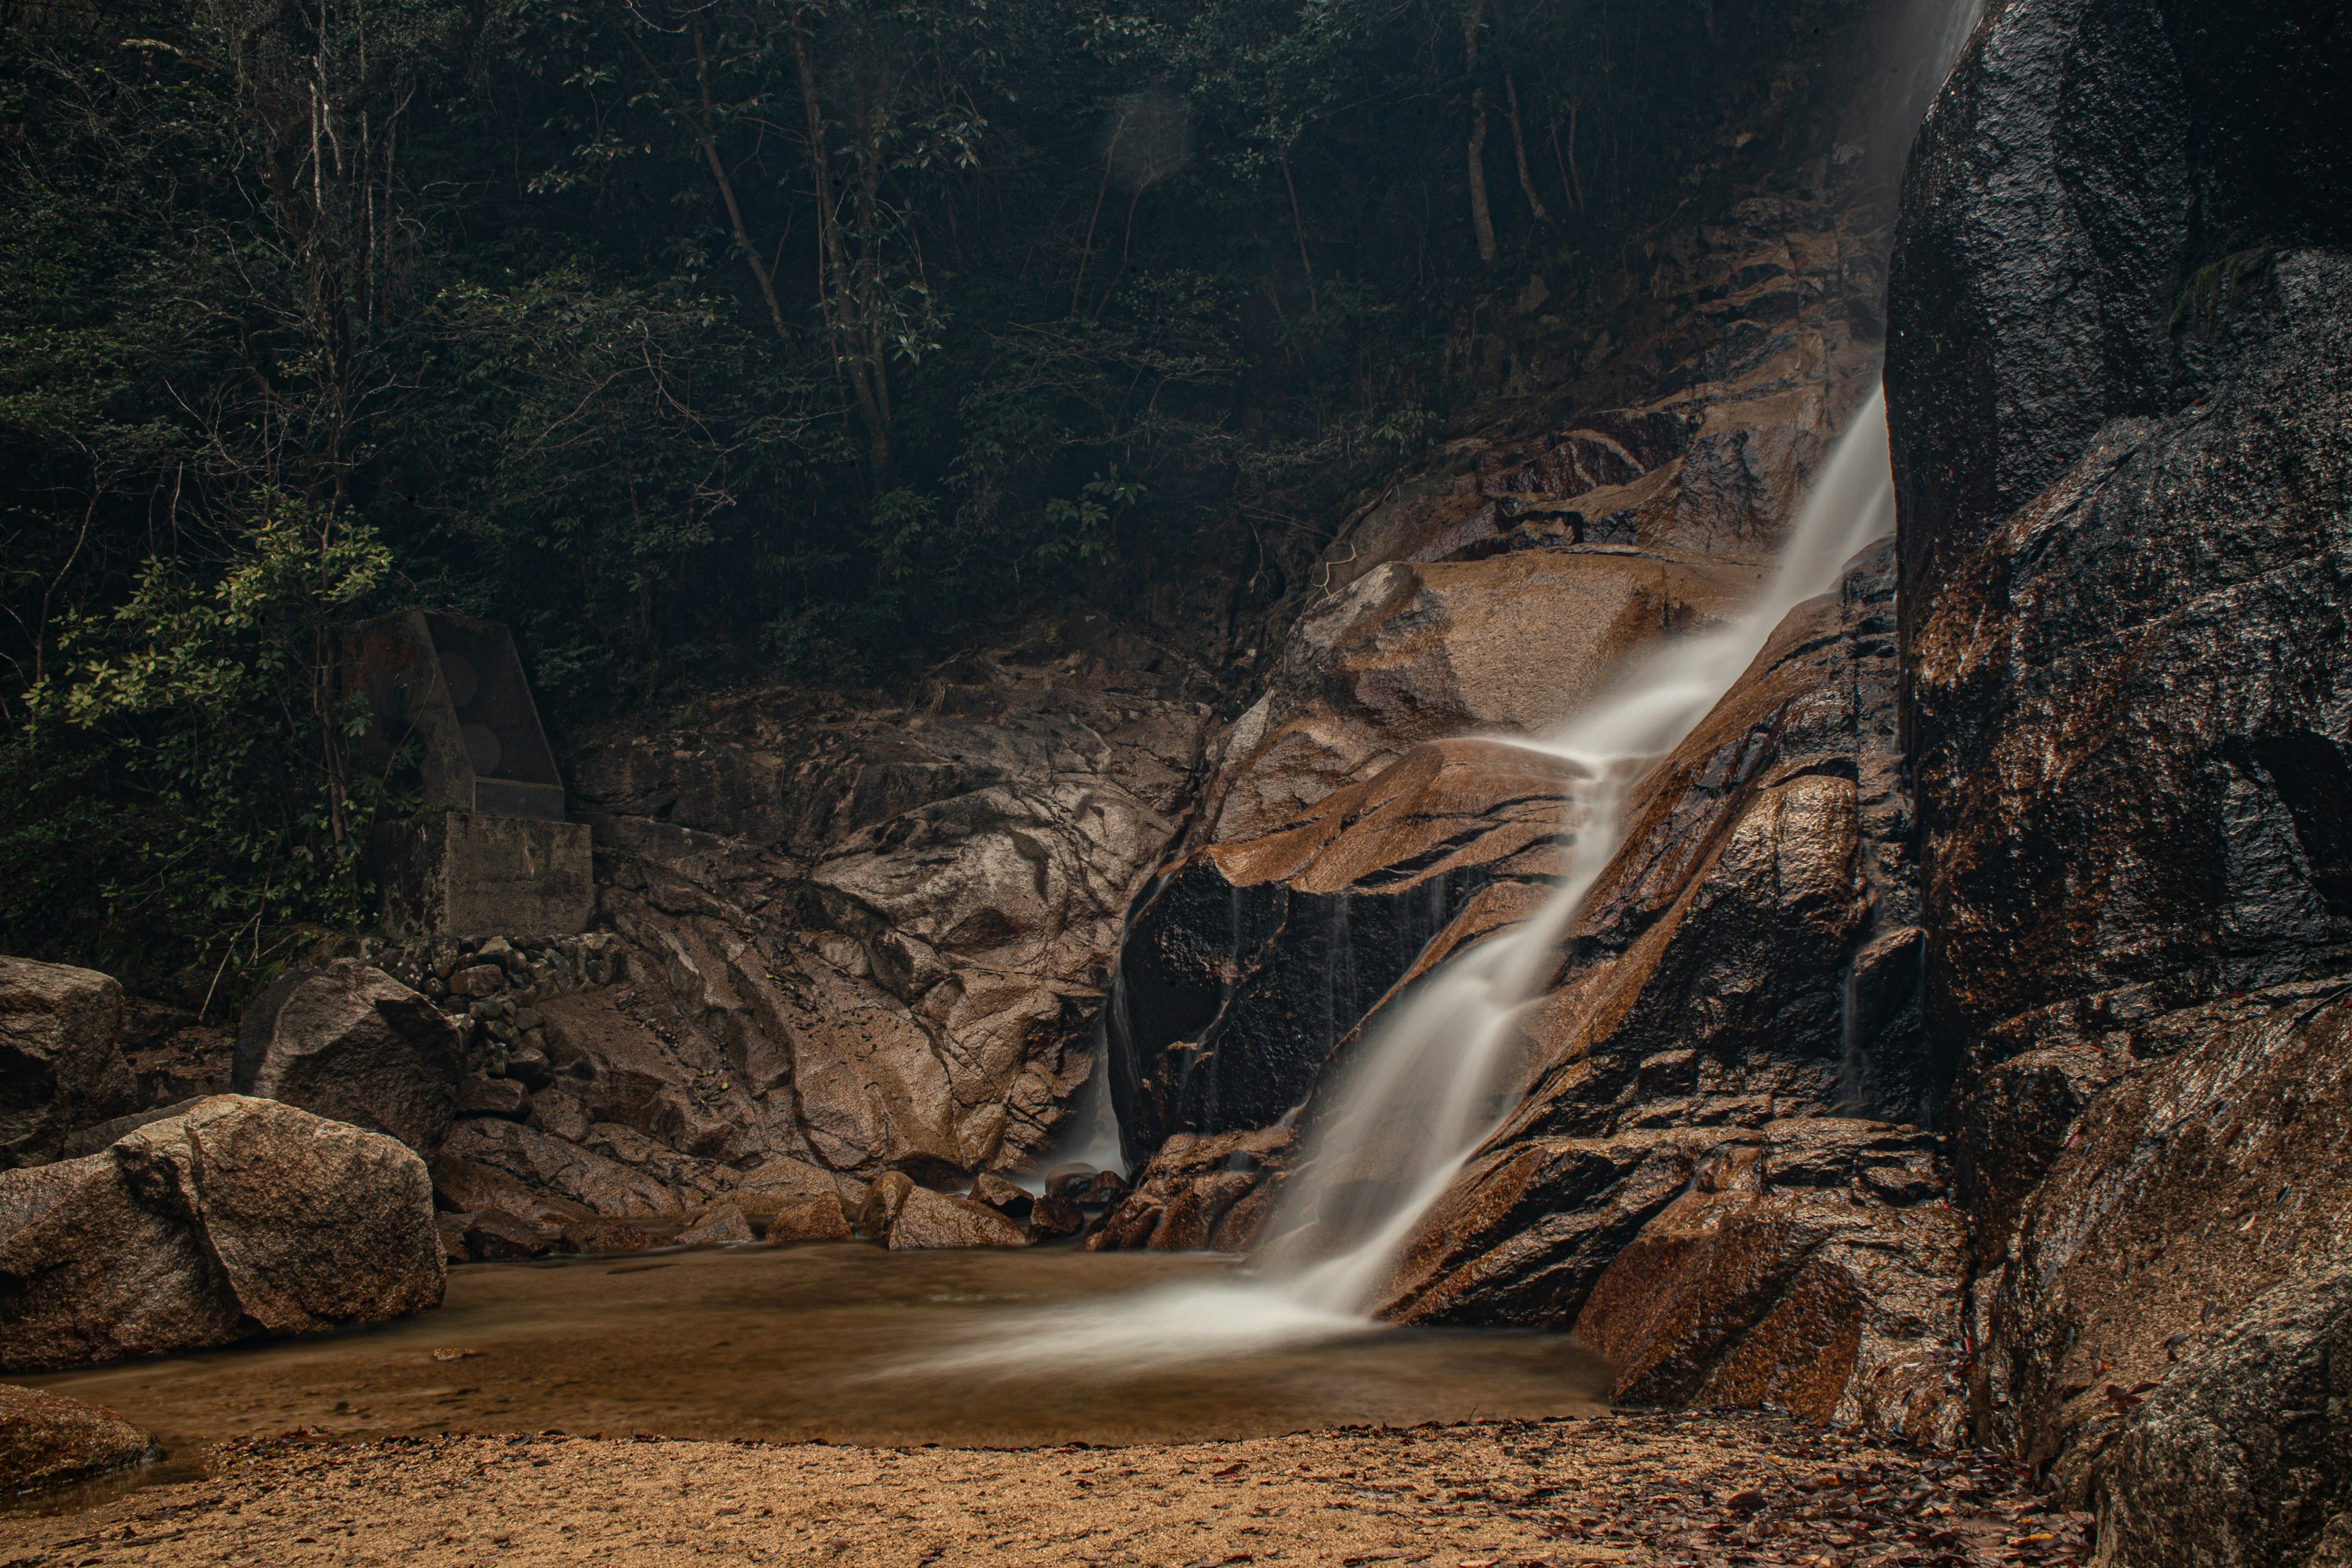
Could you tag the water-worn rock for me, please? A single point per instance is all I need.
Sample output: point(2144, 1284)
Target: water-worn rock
point(601, 1235)
point(239, 1217)
point(49, 1440)
point(1211, 1193)
point(806, 1219)
point(60, 1068)
point(347, 1041)
point(494, 1235)
point(883, 930)
point(722, 1223)
point(921, 1219)
point(2121, 309)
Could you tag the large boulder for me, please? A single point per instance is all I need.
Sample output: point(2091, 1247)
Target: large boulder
point(2244, 1455)
point(239, 1217)
point(550, 1167)
point(347, 1041)
point(61, 1068)
point(2121, 310)
point(49, 1440)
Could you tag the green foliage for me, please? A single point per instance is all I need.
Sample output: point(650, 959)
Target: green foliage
point(182, 772)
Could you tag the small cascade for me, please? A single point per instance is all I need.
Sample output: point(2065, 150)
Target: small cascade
point(1421, 1093)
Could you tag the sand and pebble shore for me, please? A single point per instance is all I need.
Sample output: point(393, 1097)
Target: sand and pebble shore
point(1735, 1488)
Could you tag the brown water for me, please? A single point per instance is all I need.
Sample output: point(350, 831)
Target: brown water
point(808, 1343)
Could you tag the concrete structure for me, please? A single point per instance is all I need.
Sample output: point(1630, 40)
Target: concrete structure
point(491, 853)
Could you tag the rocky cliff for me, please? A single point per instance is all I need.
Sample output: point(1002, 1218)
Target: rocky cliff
point(2121, 325)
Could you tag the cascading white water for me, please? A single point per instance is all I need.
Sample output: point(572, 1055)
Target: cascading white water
point(1423, 1085)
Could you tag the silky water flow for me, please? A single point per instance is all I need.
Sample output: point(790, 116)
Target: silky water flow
point(1430, 1084)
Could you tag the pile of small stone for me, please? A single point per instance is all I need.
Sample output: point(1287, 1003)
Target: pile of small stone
point(489, 987)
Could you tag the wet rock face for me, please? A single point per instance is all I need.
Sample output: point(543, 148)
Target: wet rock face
point(1694, 1177)
point(61, 1068)
point(1202, 1194)
point(348, 1042)
point(2121, 306)
point(1251, 963)
point(873, 940)
point(240, 1218)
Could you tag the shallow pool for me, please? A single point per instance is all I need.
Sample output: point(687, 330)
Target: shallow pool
point(815, 1343)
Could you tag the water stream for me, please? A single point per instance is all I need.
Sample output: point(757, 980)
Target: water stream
point(1426, 1089)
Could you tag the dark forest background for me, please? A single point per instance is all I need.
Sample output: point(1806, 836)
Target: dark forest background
point(709, 343)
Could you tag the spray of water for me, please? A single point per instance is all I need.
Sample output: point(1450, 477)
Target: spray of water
point(1424, 1090)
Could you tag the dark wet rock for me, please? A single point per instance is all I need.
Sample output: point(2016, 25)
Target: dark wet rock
point(558, 1169)
point(1201, 1194)
point(1060, 1207)
point(1002, 1195)
point(797, 1219)
point(451, 1229)
point(60, 1068)
point(1253, 960)
point(49, 1440)
point(2121, 306)
point(346, 1041)
point(528, 1065)
point(722, 1223)
point(237, 1218)
point(2241, 1456)
point(495, 1236)
point(2206, 1173)
point(493, 1097)
point(603, 1235)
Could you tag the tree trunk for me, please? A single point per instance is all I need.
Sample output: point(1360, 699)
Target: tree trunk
point(839, 291)
point(1482, 217)
point(1519, 150)
point(1482, 214)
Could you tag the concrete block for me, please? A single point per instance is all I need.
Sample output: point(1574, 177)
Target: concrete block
point(453, 873)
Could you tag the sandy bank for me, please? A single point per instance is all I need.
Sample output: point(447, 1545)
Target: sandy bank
point(1635, 1490)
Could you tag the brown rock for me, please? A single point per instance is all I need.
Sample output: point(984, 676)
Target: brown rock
point(478, 980)
point(239, 1217)
point(721, 1224)
point(552, 1166)
point(1201, 1195)
point(493, 1097)
point(2205, 1174)
point(451, 1229)
point(601, 1235)
point(347, 1041)
point(59, 1067)
point(806, 1219)
point(926, 1219)
point(49, 1440)
point(495, 1236)
point(884, 1200)
point(1417, 652)
point(996, 1192)
point(467, 1186)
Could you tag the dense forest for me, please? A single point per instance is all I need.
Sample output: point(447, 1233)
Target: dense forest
point(707, 342)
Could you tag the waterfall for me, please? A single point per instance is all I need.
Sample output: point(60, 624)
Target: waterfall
point(1419, 1096)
